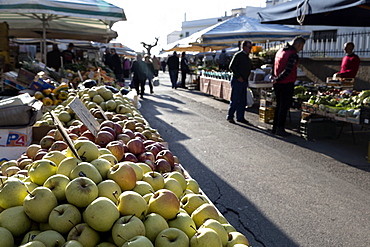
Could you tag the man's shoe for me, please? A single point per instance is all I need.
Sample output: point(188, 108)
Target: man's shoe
point(282, 133)
point(231, 121)
point(243, 121)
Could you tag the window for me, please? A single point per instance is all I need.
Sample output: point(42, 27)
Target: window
point(325, 35)
point(187, 34)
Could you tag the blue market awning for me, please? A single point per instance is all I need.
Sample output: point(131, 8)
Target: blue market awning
point(242, 27)
point(319, 12)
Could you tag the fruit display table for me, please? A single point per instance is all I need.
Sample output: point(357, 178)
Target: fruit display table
point(219, 88)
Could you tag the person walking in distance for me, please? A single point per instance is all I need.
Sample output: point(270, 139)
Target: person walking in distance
point(184, 69)
point(149, 72)
point(173, 68)
point(241, 66)
point(284, 76)
point(139, 68)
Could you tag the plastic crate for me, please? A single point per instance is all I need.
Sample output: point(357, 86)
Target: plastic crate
point(25, 76)
point(266, 114)
point(311, 130)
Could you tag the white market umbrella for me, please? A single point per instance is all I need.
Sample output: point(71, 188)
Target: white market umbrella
point(72, 19)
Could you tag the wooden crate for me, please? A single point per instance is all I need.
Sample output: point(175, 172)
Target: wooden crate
point(266, 114)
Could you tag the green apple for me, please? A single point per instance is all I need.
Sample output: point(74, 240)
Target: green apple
point(155, 179)
point(109, 189)
point(66, 166)
point(106, 244)
point(124, 175)
point(85, 169)
point(81, 191)
point(43, 226)
point(87, 150)
point(192, 185)
point(190, 202)
point(240, 245)
point(154, 224)
point(138, 171)
point(98, 99)
point(57, 184)
point(147, 197)
point(30, 186)
point(12, 193)
point(173, 185)
point(73, 243)
point(179, 177)
point(39, 203)
point(102, 165)
point(138, 241)
point(92, 92)
point(15, 220)
point(97, 220)
point(110, 157)
point(186, 192)
point(229, 228)
point(7, 164)
point(6, 237)
point(40, 170)
point(184, 222)
point(204, 212)
point(111, 105)
point(172, 237)
point(84, 234)
point(104, 151)
point(236, 238)
point(29, 236)
point(222, 219)
point(145, 167)
point(143, 188)
point(132, 203)
point(165, 203)
point(33, 244)
point(50, 238)
point(127, 227)
point(218, 228)
point(63, 217)
point(206, 237)
point(55, 156)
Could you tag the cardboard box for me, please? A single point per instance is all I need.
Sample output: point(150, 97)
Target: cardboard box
point(15, 137)
point(38, 132)
point(11, 153)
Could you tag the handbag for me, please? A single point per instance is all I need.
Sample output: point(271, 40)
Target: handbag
point(250, 100)
point(156, 81)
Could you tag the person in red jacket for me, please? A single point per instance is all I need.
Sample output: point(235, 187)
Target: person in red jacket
point(284, 76)
point(350, 63)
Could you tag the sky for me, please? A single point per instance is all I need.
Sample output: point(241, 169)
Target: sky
point(148, 19)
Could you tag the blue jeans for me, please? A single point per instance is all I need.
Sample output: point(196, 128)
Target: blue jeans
point(174, 74)
point(238, 99)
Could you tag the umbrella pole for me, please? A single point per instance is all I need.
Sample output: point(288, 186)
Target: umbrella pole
point(44, 38)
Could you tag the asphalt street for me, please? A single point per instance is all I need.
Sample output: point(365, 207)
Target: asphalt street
point(276, 191)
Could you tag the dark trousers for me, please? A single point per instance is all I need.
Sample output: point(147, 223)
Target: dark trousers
point(284, 95)
point(174, 75)
point(139, 86)
point(238, 99)
point(183, 78)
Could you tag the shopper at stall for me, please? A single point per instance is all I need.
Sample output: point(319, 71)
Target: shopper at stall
point(149, 72)
point(156, 65)
point(284, 76)
point(107, 57)
point(116, 65)
point(53, 58)
point(68, 54)
point(222, 60)
point(163, 64)
point(350, 62)
point(184, 65)
point(241, 66)
point(139, 68)
point(126, 67)
point(173, 68)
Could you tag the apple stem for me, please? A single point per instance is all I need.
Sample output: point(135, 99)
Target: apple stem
point(131, 217)
point(75, 228)
point(81, 174)
point(122, 237)
point(152, 191)
point(191, 226)
point(115, 194)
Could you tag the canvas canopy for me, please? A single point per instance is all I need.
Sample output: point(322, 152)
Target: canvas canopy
point(241, 27)
point(61, 19)
point(319, 12)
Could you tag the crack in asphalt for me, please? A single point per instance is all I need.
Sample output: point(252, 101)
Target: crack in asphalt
point(238, 214)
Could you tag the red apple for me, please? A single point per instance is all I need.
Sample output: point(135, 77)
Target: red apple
point(40, 155)
point(103, 138)
point(88, 135)
point(146, 156)
point(167, 155)
point(58, 146)
point(108, 123)
point(47, 141)
point(178, 168)
point(128, 132)
point(83, 128)
point(117, 148)
point(162, 166)
point(73, 136)
point(129, 157)
point(110, 130)
point(141, 136)
point(153, 149)
point(117, 128)
point(51, 132)
point(136, 146)
point(75, 130)
point(148, 142)
point(85, 138)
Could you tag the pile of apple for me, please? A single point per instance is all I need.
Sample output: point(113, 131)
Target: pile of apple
point(123, 187)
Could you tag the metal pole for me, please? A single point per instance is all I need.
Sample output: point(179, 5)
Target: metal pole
point(44, 38)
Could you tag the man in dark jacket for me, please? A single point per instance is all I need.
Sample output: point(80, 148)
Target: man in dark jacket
point(184, 68)
point(173, 68)
point(139, 68)
point(285, 74)
point(53, 58)
point(241, 66)
point(116, 65)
